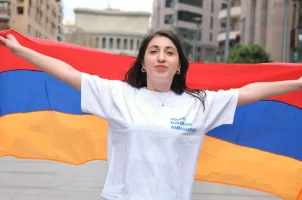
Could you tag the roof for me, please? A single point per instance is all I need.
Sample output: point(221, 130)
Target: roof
point(113, 12)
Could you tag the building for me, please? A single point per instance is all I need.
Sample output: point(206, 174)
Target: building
point(194, 21)
point(260, 22)
point(110, 30)
point(296, 34)
point(234, 34)
point(37, 18)
point(60, 21)
point(76, 35)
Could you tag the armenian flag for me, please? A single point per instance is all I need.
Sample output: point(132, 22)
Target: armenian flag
point(40, 118)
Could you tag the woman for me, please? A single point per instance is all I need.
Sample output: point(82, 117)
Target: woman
point(156, 123)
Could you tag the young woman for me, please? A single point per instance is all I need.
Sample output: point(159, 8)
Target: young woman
point(156, 123)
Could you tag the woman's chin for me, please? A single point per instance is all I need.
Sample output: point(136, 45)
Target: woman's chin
point(162, 76)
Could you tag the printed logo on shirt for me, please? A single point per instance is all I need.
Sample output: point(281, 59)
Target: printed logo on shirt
point(180, 124)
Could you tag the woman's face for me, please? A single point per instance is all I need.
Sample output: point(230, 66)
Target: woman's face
point(161, 60)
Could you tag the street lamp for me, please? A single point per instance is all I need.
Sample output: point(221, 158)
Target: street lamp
point(175, 16)
point(285, 29)
point(227, 36)
point(285, 25)
point(196, 42)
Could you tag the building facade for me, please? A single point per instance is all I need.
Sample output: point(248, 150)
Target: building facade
point(259, 22)
point(37, 18)
point(60, 36)
point(234, 34)
point(296, 34)
point(110, 30)
point(194, 21)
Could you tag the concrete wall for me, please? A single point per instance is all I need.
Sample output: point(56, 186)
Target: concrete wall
point(112, 21)
point(112, 31)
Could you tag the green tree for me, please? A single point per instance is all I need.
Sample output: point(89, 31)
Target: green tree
point(251, 53)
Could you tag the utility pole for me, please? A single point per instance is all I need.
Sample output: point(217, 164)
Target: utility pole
point(227, 37)
point(195, 44)
point(285, 29)
point(175, 17)
point(196, 41)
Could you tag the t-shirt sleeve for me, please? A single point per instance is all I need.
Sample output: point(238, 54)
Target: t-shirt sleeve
point(220, 108)
point(97, 95)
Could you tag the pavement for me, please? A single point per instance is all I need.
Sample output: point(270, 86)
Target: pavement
point(47, 180)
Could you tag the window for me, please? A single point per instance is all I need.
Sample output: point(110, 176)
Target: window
point(3, 5)
point(20, 10)
point(189, 34)
point(212, 6)
point(125, 44)
point(299, 20)
point(137, 44)
point(189, 16)
point(169, 19)
point(196, 3)
point(118, 43)
point(97, 42)
point(211, 23)
point(131, 44)
point(211, 37)
point(104, 43)
point(111, 43)
point(37, 14)
point(40, 18)
point(169, 3)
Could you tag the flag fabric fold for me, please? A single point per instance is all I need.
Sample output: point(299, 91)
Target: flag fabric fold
point(40, 118)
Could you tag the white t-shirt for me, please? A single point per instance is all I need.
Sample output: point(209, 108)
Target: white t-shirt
point(153, 149)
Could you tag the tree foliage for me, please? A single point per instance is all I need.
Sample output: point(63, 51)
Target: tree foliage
point(251, 53)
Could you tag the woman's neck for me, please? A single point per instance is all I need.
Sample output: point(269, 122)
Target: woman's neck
point(159, 86)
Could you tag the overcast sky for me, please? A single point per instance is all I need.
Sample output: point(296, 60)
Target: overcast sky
point(127, 5)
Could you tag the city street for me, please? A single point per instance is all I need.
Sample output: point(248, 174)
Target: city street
point(46, 180)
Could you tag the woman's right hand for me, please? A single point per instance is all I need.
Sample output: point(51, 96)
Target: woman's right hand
point(11, 43)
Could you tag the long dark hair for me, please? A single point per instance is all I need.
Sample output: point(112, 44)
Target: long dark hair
point(136, 78)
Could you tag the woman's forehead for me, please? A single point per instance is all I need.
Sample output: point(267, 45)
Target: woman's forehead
point(161, 41)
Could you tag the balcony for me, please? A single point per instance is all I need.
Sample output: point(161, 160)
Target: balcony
point(4, 26)
point(233, 34)
point(185, 7)
point(235, 13)
point(4, 14)
point(234, 31)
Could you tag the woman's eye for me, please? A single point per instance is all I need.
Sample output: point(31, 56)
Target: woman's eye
point(170, 53)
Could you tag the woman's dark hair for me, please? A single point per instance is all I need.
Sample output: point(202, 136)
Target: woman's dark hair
point(136, 78)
